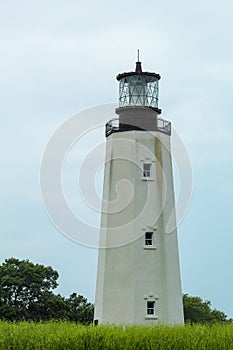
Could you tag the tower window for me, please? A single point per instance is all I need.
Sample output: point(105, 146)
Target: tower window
point(150, 307)
point(149, 238)
point(146, 170)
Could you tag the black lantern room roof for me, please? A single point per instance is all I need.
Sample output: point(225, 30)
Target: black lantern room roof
point(138, 71)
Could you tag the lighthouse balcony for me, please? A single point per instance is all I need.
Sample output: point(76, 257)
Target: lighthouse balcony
point(114, 125)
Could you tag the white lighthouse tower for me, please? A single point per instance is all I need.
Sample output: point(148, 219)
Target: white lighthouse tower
point(138, 278)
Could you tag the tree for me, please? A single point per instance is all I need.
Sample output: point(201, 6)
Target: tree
point(23, 284)
point(26, 294)
point(198, 311)
point(49, 307)
point(79, 309)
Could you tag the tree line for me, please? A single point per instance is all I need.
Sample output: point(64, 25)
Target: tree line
point(26, 293)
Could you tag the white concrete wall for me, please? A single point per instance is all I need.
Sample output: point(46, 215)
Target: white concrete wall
point(129, 275)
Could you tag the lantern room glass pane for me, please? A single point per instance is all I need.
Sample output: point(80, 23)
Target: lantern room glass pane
point(138, 90)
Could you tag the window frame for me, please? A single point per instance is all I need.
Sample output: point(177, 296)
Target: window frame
point(147, 172)
point(150, 308)
point(153, 230)
point(149, 241)
point(151, 304)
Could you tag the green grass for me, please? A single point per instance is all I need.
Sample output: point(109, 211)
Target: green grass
point(65, 335)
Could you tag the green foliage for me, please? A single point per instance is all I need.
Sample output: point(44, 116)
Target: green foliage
point(26, 294)
point(23, 288)
point(79, 310)
point(198, 311)
point(65, 335)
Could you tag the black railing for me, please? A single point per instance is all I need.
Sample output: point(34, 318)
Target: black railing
point(164, 126)
point(113, 125)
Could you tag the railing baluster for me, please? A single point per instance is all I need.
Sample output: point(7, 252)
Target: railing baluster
point(112, 125)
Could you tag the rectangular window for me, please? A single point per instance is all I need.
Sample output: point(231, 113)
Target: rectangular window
point(149, 238)
point(150, 307)
point(146, 170)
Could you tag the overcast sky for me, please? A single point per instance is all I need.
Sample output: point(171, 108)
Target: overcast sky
point(61, 57)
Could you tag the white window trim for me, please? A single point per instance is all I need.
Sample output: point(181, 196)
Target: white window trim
point(150, 229)
point(152, 298)
point(151, 308)
point(151, 317)
point(149, 240)
point(150, 161)
point(147, 179)
point(149, 247)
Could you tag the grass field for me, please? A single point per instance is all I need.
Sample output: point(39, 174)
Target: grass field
point(65, 335)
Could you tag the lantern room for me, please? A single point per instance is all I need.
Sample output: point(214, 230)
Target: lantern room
point(138, 88)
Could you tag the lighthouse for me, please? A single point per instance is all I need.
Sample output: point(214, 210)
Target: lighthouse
point(138, 276)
